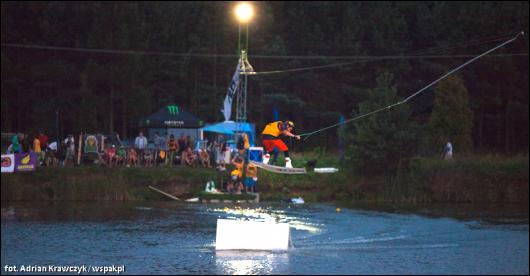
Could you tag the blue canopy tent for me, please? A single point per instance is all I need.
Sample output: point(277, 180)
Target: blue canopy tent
point(218, 129)
point(232, 128)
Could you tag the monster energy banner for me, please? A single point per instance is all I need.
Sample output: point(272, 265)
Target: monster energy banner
point(173, 109)
point(171, 116)
point(232, 90)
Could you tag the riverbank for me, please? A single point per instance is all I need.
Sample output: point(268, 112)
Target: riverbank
point(426, 181)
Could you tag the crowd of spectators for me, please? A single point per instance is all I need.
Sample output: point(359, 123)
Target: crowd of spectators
point(49, 153)
point(164, 151)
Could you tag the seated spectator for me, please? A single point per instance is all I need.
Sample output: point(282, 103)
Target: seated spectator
point(235, 181)
point(121, 156)
point(132, 158)
point(111, 155)
point(70, 154)
point(238, 187)
point(230, 187)
point(204, 158)
point(50, 159)
point(70, 138)
point(188, 157)
point(70, 149)
point(225, 151)
point(149, 158)
point(159, 156)
point(189, 142)
point(219, 156)
point(157, 141)
point(50, 155)
point(181, 144)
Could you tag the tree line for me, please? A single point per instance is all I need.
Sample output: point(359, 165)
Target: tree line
point(103, 66)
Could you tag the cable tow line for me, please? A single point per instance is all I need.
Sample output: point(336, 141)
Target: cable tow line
point(308, 134)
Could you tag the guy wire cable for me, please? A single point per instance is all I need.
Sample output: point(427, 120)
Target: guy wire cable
point(363, 59)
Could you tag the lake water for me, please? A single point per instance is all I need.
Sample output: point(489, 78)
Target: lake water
point(178, 238)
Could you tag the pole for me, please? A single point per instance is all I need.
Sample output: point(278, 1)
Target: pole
point(79, 148)
point(57, 128)
point(239, 40)
point(244, 117)
point(239, 90)
point(241, 103)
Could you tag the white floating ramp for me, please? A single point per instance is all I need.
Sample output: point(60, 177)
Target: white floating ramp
point(251, 235)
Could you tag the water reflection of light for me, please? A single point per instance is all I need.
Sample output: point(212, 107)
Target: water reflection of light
point(245, 267)
point(250, 262)
point(267, 215)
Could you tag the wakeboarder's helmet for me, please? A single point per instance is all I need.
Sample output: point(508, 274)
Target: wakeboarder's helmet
point(287, 124)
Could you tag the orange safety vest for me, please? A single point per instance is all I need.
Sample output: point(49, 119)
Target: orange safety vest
point(273, 129)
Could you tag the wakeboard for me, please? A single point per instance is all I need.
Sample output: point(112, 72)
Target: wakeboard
point(278, 169)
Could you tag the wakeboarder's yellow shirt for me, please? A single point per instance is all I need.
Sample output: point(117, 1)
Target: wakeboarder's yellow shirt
point(273, 129)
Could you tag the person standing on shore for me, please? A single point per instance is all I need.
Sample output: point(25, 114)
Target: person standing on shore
point(448, 151)
point(173, 148)
point(140, 143)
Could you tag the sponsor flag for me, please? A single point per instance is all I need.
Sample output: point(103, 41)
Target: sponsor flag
point(232, 90)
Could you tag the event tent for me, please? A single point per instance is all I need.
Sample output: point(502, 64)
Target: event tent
point(172, 120)
point(231, 128)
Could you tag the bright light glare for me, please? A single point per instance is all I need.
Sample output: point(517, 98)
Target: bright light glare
point(244, 12)
point(267, 215)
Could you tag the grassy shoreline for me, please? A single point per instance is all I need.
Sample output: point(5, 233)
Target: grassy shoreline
point(426, 181)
